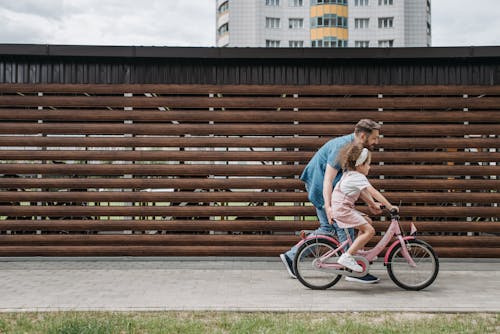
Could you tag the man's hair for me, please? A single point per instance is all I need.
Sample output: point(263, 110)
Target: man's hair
point(366, 125)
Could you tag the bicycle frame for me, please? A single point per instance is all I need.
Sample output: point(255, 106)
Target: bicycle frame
point(394, 230)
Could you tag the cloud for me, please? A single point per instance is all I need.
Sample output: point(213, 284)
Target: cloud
point(109, 22)
point(465, 23)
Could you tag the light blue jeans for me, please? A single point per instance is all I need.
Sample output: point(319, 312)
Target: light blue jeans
point(324, 228)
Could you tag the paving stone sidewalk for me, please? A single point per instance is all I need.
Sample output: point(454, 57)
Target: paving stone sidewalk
point(230, 284)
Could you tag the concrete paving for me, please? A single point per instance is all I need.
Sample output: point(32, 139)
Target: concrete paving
point(230, 284)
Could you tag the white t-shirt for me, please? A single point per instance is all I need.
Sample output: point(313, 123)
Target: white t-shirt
point(352, 183)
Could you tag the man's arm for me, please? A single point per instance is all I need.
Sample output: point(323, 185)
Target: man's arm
point(330, 174)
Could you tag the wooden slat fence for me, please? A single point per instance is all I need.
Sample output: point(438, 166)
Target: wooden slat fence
point(213, 170)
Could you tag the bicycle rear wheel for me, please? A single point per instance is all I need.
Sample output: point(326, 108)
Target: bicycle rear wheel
point(305, 260)
point(413, 278)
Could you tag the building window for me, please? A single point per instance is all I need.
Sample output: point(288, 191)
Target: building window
point(296, 44)
point(223, 29)
point(295, 23)
point(388, 43)
point(361, 44)
point(275, 3)
point(272, 43)
point(272, 22)
point(329, 20)
point(385, 2)
point(360, 3)
point(295, 3)
point(223, 8)
point(385, 22)
point(327, 2)
point(361, 23)
point(329, 42)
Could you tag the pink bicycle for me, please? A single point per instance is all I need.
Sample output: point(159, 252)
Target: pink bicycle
point(411, 263)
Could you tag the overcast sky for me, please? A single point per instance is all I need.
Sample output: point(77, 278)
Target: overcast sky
point(192, 23)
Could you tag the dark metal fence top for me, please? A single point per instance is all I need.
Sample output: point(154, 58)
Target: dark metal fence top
point(472, 52)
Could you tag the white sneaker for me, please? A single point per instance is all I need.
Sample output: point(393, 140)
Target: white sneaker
point(349, 262)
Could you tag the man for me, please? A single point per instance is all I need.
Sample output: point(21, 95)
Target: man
point(321, 175)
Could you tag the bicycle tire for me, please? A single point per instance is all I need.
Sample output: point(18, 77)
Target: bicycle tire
point(303, 264)
point(413, 278)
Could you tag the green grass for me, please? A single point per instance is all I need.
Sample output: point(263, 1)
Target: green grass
point(241, 322)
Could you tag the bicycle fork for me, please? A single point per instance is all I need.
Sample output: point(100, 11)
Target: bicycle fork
point(404, 251)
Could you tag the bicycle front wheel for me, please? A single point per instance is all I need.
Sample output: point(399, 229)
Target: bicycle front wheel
point(306, 260)
point(413, 278)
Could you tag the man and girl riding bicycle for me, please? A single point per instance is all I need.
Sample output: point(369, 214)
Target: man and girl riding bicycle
point(338, 171)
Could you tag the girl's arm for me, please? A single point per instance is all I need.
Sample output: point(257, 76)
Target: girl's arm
point(372, 205)
point(374, 193)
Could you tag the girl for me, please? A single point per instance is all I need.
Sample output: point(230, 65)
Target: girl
point(355, 161)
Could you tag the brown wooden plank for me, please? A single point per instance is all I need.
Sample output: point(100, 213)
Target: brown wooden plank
point(229, 196)
point(214, 240)
point(166, 225)
point(148, 240)
point(111, 155)
point(156, 169)
point(253, 89)
point(251, 102)
point(311, 143)
point(444, 226)
point(452, 241)
point(243, 225)
point(141, 250)
point(443, 252)
point(242, 129)
point(250, 116)
point(237, 183)
point(239, 211)
point(230, 170)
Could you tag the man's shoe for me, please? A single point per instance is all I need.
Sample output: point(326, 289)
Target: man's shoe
point(349, 262)
point(288, 264)
point(367, 279)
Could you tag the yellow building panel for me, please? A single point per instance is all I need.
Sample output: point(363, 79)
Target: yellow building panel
point(319, 33)
point(329, 9)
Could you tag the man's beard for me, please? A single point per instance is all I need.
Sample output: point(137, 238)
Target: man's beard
point(370, 147)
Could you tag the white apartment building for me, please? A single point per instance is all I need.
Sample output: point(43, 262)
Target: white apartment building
point(263, 23)
point(389, 23)
point(323, 23)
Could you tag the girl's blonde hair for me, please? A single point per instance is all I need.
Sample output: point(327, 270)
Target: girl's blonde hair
point(349, 154)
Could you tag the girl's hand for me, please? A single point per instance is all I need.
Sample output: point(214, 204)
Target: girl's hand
point(395, 208)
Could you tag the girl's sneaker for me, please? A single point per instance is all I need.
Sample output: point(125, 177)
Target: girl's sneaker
point(349, 262)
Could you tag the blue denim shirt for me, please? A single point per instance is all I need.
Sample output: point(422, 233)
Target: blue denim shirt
point(314, 173)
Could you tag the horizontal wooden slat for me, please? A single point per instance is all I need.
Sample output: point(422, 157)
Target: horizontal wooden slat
point(241, 129)
point(236, 183)
point(111, 155)
point(251, 102)
point(244, 225)
point(232, 169)
point(211, 240)
point(465, 252)
point(269, 142)
point(249, 116)
point(150, 240)
point(229, 196)
point(240, 211)
point(252, 89)
point(168, 225)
